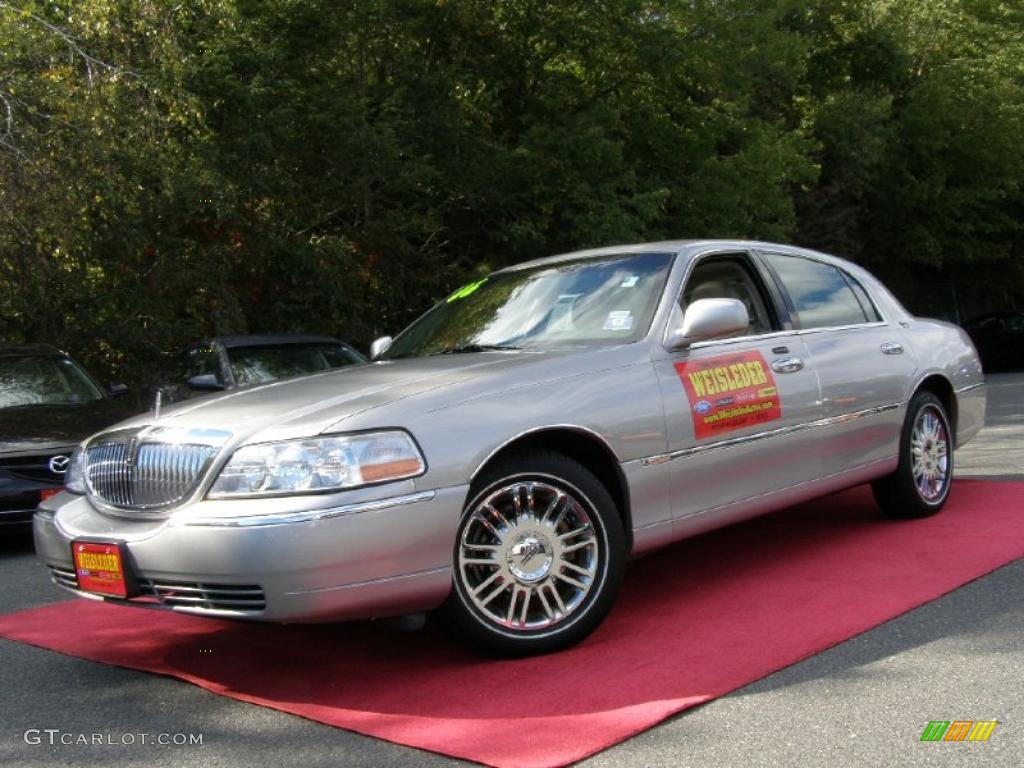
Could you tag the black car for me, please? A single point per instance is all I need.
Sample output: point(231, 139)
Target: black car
point(999, 339)
point(48, 404)
point(226, 362)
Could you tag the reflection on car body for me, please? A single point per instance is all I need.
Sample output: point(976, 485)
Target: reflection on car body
point(502, 457)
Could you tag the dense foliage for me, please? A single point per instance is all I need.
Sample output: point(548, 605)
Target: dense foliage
point(173, 169)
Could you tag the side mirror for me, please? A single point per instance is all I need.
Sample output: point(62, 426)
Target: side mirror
point(117, 389)
point(380, 346)
point(205, 382)
point(709, 319)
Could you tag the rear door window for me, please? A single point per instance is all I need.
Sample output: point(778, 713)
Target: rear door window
point(821, 295)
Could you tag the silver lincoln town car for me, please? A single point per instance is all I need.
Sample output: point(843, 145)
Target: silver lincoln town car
point(505, 454)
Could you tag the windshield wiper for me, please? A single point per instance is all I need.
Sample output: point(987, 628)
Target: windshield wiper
point(463, 348)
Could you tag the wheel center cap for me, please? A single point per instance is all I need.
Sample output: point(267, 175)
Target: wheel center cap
point(529, 558)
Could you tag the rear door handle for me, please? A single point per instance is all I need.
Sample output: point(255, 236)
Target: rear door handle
point(892, 348)
point(787, 364)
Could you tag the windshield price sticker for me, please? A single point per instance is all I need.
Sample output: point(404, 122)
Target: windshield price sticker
point(729, 392)
point(619, 320)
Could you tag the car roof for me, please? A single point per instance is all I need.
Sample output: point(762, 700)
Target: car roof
point(665, 246)
point(269, 339)
point(669, 246)
point(29, 350)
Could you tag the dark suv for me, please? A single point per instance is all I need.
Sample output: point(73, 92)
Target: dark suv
point(226, 362)
point(48, 404)
point(999, 339)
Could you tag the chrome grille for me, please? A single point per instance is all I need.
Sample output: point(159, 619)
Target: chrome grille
point(34, 467)
point(157, 475)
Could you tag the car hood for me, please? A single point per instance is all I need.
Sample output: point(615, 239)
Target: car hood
point(314, 404)
point(44, 427)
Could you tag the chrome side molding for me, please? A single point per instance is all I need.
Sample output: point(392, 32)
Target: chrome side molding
point(826, 422)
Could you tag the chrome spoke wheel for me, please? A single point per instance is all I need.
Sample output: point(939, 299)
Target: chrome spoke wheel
point(921, 482)
point(528, 555)
point(929, 449)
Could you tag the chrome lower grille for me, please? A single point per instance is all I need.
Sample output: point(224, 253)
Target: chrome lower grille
point(215, 597)
point(144, 475)
point(184, 594)
point(64, 577)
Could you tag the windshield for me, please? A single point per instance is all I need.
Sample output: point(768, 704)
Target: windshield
point(255, 365)
point(38, 380)
point(609, 299)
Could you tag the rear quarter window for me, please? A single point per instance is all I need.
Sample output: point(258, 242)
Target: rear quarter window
point(866, 303)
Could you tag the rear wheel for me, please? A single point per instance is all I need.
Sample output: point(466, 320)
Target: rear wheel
point(920, 485)
point(538, 557)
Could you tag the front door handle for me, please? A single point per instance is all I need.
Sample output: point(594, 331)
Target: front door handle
point(892, 348)
point(787, 364)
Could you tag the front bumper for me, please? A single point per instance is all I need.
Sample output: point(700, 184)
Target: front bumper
point(16, 518)
point(382, 557)
point(18, 499)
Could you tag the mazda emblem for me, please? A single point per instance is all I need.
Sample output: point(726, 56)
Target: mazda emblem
point(59, 464)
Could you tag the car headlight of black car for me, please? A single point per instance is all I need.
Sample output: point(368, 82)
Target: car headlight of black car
point(334, 462)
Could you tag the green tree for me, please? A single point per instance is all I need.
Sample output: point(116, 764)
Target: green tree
point(169, 170)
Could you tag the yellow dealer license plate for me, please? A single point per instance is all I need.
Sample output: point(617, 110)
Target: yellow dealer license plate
point(99, 568)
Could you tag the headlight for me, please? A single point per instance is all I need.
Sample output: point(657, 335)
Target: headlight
point(318, 464)
point(74, 478)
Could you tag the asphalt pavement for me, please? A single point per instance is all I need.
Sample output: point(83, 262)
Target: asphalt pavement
point(864, 702)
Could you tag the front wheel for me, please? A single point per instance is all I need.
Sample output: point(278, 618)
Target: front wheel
point(538, 556)
point(920, 485)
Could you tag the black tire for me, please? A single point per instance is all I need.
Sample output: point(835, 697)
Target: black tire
point(900, 495)
point(533, 558)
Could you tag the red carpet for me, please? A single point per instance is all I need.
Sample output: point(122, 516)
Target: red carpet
point(694, 622)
